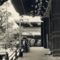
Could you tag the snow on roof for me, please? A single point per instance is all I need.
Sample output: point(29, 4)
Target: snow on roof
point(30, 19)
point(31, 33)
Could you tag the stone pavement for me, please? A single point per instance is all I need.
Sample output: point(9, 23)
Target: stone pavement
point(38, 53)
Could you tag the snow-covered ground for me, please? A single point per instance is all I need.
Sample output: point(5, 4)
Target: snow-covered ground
point(38, 53)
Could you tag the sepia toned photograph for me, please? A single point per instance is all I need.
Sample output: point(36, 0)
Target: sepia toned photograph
point(29, 29)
